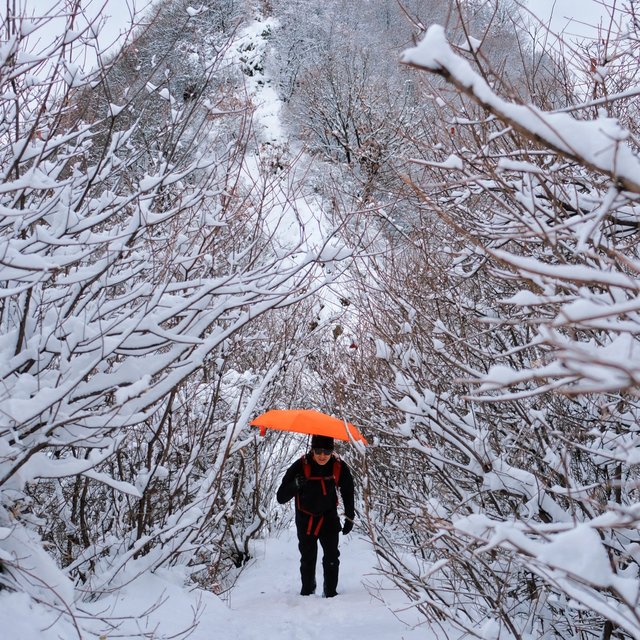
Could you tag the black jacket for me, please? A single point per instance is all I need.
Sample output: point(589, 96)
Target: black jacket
point(312, 498)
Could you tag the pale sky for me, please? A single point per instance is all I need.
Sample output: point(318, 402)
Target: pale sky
point(571, 17)
point(569, 14)
point(114, 17)
point(574, 17)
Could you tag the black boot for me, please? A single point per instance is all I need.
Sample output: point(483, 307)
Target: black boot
point(308, 590)
point(330, 578)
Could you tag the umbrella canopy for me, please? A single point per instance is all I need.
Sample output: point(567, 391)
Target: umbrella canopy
point(307, 421)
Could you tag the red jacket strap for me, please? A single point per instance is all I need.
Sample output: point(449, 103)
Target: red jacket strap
point(306, 467)
point(337, 467)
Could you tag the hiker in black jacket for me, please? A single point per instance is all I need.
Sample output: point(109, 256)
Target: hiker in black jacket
point(312, 480)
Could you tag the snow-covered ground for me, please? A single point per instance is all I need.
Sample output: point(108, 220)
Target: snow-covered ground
point(266, 605)
point(263, 605)
point(276, 166)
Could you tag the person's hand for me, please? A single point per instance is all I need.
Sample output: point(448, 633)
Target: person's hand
point(347, 526)
point(300, 481)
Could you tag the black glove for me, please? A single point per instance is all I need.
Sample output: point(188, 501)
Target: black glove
point(347, 526)
point(300, 481)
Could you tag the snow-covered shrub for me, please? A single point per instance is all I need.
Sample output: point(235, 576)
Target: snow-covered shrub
point(512, 355)
point(135, 272)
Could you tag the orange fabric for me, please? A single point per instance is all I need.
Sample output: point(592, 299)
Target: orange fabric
point(308, 421)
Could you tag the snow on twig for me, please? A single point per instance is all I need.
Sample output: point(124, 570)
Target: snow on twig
point(599, 144)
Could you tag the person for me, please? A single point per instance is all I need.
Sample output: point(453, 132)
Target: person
point(313, 480)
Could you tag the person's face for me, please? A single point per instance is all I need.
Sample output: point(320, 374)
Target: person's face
point(321, 456)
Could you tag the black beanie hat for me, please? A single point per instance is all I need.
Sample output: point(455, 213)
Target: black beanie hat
point(322, 442)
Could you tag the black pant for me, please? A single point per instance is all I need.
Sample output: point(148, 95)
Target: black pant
point(328, 535)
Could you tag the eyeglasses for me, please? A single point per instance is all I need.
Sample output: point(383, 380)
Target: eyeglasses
point(322, 452)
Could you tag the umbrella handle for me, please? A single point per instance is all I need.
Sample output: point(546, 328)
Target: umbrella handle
point(263, 431)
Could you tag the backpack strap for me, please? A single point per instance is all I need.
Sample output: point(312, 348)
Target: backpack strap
point(311, 530)
point(306, 469)
point(337, 468)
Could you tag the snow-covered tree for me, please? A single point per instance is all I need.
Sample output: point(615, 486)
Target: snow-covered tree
point(137, 266)
point(509, 335)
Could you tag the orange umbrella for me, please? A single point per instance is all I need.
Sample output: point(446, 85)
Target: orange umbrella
point(307, 421)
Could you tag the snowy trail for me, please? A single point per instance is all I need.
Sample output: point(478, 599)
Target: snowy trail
point(265, 603)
